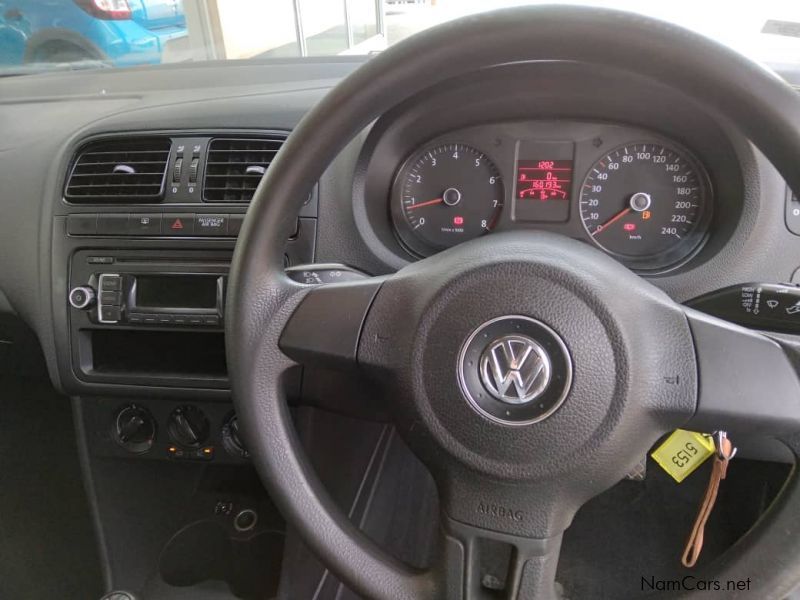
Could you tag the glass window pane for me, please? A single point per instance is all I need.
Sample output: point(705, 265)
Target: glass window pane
point(324, 27)
point(258, 29)
point(363, 19)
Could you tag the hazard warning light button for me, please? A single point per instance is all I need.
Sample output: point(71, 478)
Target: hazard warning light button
point(178, 224)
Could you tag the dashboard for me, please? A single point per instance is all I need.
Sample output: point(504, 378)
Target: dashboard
point(622, 163)
point(640, 197)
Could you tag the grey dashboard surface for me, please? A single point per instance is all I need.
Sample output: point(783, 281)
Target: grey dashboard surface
point(43, 118)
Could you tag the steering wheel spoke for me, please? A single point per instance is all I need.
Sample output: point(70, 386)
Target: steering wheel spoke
point(748, 383)
point(520, 568)
point(325, 328)
point(502, 539)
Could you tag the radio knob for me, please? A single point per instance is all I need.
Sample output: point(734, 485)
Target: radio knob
point(81, 297)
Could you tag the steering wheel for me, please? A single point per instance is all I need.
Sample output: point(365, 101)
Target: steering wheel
point(516, 445)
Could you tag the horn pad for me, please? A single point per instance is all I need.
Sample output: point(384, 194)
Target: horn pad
point(514, 370)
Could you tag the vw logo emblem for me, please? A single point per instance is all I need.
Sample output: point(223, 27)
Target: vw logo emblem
point(515, 369)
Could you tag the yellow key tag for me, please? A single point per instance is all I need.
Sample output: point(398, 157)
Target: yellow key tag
point(682, 452)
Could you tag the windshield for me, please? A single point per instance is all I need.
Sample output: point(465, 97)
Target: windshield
point(37, 35)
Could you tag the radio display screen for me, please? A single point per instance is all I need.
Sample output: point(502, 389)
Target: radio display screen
point(176, 291)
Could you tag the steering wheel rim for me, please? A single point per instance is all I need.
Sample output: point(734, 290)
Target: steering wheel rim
point(262, 300)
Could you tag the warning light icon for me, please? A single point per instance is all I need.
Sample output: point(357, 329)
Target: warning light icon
point(458, 220)
point(629, 227)
point(177, 224)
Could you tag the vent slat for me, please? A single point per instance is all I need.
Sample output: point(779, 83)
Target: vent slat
point(238, 163)
point(232, 188)
point(111, 164)
point(125, 151)
point(240, 152)
point(120, 170)
point(74, 175)
point(226, 178)
point(115, 185)
point(236, 175)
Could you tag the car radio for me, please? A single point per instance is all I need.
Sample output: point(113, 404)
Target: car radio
point(160, 299)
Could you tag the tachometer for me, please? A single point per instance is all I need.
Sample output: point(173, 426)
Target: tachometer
point(445, 195)
point(646, 203)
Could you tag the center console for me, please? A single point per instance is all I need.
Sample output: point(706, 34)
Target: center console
point(143, 236)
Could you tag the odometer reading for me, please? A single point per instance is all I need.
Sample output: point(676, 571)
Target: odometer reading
point(644, 202)
point(446, 195)
point(543, 190)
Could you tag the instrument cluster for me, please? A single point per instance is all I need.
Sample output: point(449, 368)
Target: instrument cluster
point(641, 197)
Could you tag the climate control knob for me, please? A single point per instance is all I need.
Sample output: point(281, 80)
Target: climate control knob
point(188, 426)
point(134, 429)
point(81, 297)
point(232, 438)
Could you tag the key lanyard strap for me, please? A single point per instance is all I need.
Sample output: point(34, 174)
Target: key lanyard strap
point(724, 454)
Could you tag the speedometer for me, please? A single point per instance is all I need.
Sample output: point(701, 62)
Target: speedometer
point(646, 203)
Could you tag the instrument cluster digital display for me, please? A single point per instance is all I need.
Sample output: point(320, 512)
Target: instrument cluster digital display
point(543, 190)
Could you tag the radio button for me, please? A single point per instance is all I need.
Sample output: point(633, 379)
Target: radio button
point(135, 318)
point(144, 224)
point(178, 224)
point(211, 224)
point(150, 319)
point(110, 283)
point(180, 319)
point(195, 320)
point(213, 321)
point(111, 298)
point(109, 314)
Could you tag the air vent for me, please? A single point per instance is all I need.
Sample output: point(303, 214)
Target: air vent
point(236, 165)
point(120, 170)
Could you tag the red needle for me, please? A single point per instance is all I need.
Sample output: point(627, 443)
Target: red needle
point(613, 219)
point(428, 203)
